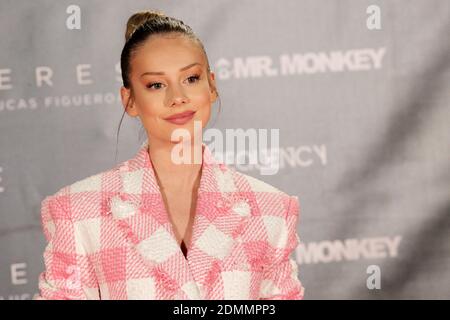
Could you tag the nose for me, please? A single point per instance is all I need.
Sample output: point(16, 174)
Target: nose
point(177, 96)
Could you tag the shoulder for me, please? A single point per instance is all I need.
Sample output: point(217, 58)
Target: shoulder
point(269, 199)
point(275, 211)
point(84, 197)
point(256, 185)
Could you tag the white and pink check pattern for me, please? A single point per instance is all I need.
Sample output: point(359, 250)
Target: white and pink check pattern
point(109, 237)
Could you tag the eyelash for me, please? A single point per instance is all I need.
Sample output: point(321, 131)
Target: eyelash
point(196, 76)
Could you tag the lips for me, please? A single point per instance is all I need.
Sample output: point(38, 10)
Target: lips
point(181, 118)
point(180, 115)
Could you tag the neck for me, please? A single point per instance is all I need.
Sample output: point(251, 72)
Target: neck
point(170, 175)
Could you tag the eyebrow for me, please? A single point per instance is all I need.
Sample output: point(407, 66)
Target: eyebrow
point(161, 73)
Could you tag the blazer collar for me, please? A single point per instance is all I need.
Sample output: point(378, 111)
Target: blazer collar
point(221, 215)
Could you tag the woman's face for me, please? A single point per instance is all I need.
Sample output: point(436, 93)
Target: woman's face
point(173, 89)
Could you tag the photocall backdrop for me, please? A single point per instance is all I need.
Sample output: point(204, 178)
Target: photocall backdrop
point(358, 89)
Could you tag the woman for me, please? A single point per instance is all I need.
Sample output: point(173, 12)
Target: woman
point(154, 229)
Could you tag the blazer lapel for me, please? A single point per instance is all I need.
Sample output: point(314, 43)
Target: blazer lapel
point(221, 215)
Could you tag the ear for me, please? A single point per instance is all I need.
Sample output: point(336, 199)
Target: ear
point(126, 97)
point(213, 87)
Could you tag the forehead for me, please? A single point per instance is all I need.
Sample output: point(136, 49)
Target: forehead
point(167, 54)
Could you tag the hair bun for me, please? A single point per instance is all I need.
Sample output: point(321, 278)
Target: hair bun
point(140, 18)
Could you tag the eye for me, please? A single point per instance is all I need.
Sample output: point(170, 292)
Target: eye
point(152, 84)
point(195, 77)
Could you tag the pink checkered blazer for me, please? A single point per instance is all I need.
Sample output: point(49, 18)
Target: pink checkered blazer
point(109, 237)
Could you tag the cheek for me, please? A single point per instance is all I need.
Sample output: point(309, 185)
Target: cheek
point(203, 113)
point(151, 112)
point(151, 106)
point(203, 105)
point(206, 113)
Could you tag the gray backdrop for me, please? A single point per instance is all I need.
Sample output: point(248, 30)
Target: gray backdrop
point(363, 116)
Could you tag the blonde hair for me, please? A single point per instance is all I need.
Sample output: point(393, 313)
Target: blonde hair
point(138, 19)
